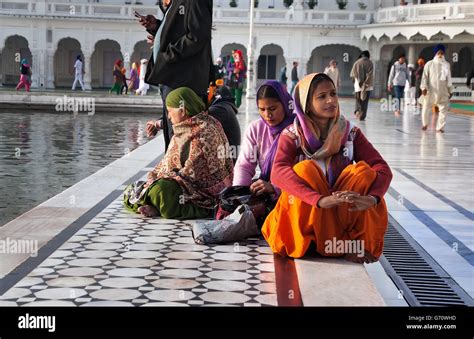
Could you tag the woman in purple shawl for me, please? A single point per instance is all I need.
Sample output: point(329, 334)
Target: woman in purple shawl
point(260, 143)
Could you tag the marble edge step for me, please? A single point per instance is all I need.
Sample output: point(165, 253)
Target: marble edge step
point(336, 282)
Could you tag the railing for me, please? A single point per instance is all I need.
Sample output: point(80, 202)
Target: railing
point(408, 13)
point(221, 14)
point(426, 12)
point(461, 91)
point(96, 10)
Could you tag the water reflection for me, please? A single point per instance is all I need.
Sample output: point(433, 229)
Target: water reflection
point(42, 154)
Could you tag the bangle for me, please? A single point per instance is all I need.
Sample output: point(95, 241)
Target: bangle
point(375, 199)
point(157, 126)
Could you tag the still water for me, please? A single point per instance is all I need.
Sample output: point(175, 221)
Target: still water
point(42, 154)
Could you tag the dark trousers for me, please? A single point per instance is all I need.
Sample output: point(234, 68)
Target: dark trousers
point(165, 121)
point(399, 94)
point(362, 105)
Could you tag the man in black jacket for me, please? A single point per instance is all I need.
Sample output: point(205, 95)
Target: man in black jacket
point(182, 54)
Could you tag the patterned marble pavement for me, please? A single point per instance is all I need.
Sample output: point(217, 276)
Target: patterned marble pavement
point(122, 259)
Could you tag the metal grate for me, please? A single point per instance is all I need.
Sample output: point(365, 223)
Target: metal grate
point(416, 274)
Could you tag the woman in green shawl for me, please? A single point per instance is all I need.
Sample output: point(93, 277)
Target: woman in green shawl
point(186, 183)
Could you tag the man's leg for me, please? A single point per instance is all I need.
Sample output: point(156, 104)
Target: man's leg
point(443, 109)
point(364, 106)
point(425, 113)
point(293, 85)
point(399, 94)
point(358, 105)
point(81, 82)
point(167, 127)
point(238, 97)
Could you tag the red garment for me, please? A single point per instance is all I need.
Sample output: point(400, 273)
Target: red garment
point(239, 66)
point(284, 177)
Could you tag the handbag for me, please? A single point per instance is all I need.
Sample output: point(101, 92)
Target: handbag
point(234, 196)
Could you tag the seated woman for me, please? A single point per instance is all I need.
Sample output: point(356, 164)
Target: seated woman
point(332, 180)
point(260, 143)
point(185, 184)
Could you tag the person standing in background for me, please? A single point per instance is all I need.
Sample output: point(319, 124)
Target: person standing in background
point(143, 86)
point(333, 72)
point(237, 77)
point(418, 75)
point(283, 77)
point(117, 74)
point(25, 75)
point(363, 75)
point(294, 76)
point(437, 88)
point(79, 71)
point(182, 53)
point(397, 81)
point(220, 69)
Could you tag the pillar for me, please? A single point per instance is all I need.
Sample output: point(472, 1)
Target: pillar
point(411, 57)
point(35, 68)
point(88, 70)
point(50, 69)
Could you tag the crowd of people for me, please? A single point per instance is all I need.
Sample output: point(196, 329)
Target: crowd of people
point(320, 176)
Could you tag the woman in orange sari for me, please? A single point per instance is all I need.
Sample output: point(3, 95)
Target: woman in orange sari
point(332, 180)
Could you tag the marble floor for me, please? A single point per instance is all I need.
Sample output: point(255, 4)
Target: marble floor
point(120, 259)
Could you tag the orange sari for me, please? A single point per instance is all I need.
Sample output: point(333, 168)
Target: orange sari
point(294, 224)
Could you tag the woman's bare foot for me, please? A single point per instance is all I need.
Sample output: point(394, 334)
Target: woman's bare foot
point(368, 258)
point(353, 257)
point(148, 211)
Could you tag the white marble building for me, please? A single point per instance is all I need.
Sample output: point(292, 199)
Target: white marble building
point(51, 33)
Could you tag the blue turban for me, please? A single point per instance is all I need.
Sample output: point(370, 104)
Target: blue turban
point(439, 47)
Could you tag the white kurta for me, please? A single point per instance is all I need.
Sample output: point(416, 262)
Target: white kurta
point(143, 86)
point(437, 81)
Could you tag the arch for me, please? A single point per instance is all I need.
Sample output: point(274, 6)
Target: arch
point(64, 58)
point(440, 36)
point(270, 62)
point(418, 37)
point(464, 62)
point(141, 50)
point(345, 55)
point(106, 52)
point(399, 38)
point(227, 49)
point(427, 52)
point(16, 48)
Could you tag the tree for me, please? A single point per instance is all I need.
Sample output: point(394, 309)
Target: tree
point(233, 3)
point(288, 3)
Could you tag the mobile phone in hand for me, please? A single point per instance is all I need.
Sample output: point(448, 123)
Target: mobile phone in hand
point(138, 15)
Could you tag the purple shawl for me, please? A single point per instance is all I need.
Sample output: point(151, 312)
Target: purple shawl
point(287, 102)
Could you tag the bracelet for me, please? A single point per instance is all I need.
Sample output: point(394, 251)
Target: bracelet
point(375, 199)
point(157, 122)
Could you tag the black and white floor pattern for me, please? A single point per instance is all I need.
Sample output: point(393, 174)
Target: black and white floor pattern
point(121, 259)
